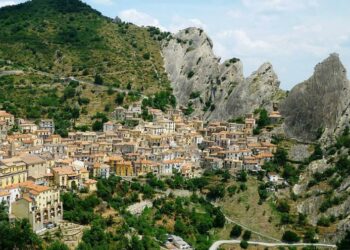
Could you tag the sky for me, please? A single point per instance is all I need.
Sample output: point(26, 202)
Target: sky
point(294, 35)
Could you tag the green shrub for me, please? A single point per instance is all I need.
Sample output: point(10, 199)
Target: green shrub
point(98, 79)
point(236, 231)
point(246, 235)
point(290, 237)
point(190, 74)
point(146, 56)
point(244, 244)
point(195, 95)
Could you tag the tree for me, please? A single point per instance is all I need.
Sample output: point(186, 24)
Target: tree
point(244, 244)
point(226, 176)
point(97, 126)
point(146, 56)
point(190, 74)
point(219, 220)
point(246, 235)
point(180, 227)
point(345, 242)
point(290, 237)
point(242, 176)
point(310, 236)
point(281, 156)
point(120, 98)
point(317, 154)
point(95, 237)
point(264, 119)
point(290, 173)
point(283, 206)
point(57, 245)
point(98, 79)
point(236, 231)
point(68, 92)
point(216, 192)
point(263, 194)
point(18, 235)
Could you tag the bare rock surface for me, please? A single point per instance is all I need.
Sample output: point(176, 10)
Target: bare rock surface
point(318, 103)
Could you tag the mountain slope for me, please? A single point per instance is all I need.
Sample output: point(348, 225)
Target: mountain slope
point(212, 89)
point(69, 38)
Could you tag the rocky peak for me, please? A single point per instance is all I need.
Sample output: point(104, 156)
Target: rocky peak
point(318, 103)
point(223, 91)
point(190, 63)
point(259, 90)
point(195, 36)
point(266, 75)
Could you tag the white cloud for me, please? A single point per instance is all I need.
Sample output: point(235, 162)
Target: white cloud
point(6, 3)
point(279, 5)
point(179, 23)
point(243, 41)
point(139, 18)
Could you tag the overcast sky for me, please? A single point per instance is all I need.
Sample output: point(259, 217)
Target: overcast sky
point(294, 35)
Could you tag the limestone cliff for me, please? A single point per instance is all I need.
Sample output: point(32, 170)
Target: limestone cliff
point(219, 90)
point(318, 103)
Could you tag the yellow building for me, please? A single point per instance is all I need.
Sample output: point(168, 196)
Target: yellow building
point(70, 177)
point(12, 171)
point(41, 205)
point(124, 168)
point(65, 177)
point(91, 185)
point(112, 162)
point(143, 167)
point(7, 118)
point(120, 167)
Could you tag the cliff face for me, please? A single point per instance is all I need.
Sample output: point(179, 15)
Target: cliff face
point(219, 90)
point(318, 103)
point(261, 89)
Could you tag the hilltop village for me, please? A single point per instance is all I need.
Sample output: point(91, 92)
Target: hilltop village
point(37, 165)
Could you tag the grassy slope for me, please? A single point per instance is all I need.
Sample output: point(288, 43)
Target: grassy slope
point(69, 38)
point(244, 208)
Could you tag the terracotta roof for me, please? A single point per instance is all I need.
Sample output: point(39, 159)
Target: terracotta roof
point(90, 181)
point(4, 113)
point(32, 159)
point(63, 170)
point(36, 189)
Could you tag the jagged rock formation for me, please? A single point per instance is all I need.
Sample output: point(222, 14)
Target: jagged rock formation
point(318, 103)
point(222, 91)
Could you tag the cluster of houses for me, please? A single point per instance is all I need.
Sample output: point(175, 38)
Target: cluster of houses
point(36, 164)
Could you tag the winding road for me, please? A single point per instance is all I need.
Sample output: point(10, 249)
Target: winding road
point(218, 243)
